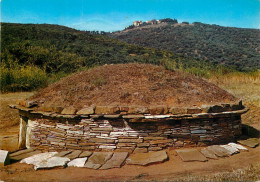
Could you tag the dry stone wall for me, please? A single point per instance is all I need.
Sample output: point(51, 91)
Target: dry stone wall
point(122, 135)
point(131, 129)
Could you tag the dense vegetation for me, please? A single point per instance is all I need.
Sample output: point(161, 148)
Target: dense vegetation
point(53, 51)
point(236, 47)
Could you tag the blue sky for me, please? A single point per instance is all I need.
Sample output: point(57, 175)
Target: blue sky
point(112, 15)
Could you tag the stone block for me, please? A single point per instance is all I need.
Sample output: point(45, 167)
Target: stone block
point(193, 110)
point(86, 110)
point(85, 154)
point(154, 148)
point(154, 138)
point(147, 158)
point(239, 147)
point(79, 162)
point(74, 154)
point(127, 144)
point(138, 110)
point(107, 110)
point(37, 158)
point(198, 131)
point(97, 159)
point(143, 144)
point(205, 108)
point(189, 155)
point(4, 158)
point(140, 150)
point(232, 150)
point(154, 142)
point(101, 140)
point(249, 142)
point(88, 147)
point(219, 151)
point(25, 155)
point(102, 129)
point(63, 153)
point(112, 116)
point(216, 109)
point(116, 161)
point(20, 152)
point(107, 146)
point(139, 140)
point(208, 153)
point(69, 111)
point(158, 110)
point(178, 110)
point(52, 163)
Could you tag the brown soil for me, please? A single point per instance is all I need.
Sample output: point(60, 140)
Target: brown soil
point(169, 170)
point(132, 84)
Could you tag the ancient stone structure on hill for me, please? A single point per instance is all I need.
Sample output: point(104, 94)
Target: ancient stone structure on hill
point(127, 120)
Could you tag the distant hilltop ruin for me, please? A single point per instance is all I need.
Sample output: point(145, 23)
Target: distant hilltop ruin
point(154, 22)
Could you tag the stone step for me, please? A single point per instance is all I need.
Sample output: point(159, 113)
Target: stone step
point(232, 150)
point(147, 158)
point(79, 162)
point(21, 152)
point(219, 151)
point(208, 153)
point(188, 155)
point(251, 142)
point(74, 154)
point(25, 155)
point(97, 159)
point(116, 161)
point(239, 147)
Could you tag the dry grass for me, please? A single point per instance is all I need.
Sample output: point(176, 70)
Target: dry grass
point(251, 173)
point(132, 84)
point(245, 87)
point(9, 117)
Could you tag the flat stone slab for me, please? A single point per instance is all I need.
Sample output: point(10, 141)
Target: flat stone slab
point(63, 153)
point(85, 154)
point(251, 142)
point(232, 150)
point(38, 158)
point(116, 160)
point(97, 159)
point(189, 155)
point(73, 155)
point(24, 155)
point(219, 151)
point(79, 162)
point(52, 163)
point(20, 152)
point(208, 153)
point(4, 158)
point(239, 147)
point(147, 158)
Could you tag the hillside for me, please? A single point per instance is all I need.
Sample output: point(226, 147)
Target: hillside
point(31, 52)
point(237, 47)
point(57, 48)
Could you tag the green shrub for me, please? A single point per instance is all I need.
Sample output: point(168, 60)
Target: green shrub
point(21, 78)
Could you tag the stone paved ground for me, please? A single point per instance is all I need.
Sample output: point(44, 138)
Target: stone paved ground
point(108, 160)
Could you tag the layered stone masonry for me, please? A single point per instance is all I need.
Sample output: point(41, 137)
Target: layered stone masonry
point(126, 110)
point(108, 131)
point(121, 135)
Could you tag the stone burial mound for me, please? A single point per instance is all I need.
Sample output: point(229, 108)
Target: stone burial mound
point(129, 107)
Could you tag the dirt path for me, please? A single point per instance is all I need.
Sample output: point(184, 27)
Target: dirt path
point(172, 169)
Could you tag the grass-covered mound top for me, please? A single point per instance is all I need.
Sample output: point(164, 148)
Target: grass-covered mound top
point(132, 84)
